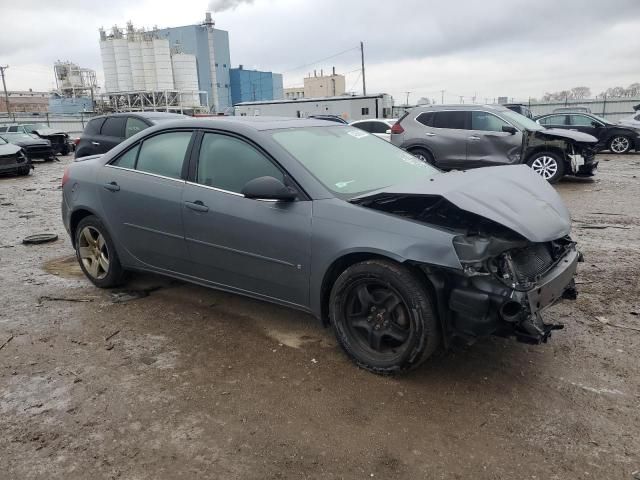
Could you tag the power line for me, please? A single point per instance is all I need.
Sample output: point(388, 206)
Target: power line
point(321, 60)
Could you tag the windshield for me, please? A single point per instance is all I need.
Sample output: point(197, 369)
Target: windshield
point(34, 126)
point(349, 161)
point(521, 121)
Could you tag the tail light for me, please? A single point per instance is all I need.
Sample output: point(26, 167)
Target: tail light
point(65, 175)
point(76, 141)
point(397, 128)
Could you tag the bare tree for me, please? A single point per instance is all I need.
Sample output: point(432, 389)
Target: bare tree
point(424, 101)
point(579, 93)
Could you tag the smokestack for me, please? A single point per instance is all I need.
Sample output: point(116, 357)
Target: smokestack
point(208, 21)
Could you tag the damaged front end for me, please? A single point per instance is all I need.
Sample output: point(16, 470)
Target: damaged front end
point(505, 280)
point(578, 149)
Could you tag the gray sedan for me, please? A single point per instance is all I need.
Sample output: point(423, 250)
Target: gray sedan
point(398, 257)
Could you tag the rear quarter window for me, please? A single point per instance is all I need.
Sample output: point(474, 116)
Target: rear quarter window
point(425, 118)
point(93, 127)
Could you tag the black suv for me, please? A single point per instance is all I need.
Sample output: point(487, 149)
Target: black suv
point(611, 136)
point(103, 133)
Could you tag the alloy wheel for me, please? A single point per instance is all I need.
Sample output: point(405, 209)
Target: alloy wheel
point(545, 166)
point(93, 252)
point(377, 318)
point(620, 144)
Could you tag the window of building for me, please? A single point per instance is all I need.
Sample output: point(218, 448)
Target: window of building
point(224, 65)
point(164, 154)
point(216, 64)
point(365, 111)
point(218, 85)
point(228, 163)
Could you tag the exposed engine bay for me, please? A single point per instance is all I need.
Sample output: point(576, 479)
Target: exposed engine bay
point(505, 280)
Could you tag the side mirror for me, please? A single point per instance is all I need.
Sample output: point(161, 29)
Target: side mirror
point(268, 188)
point(509, 129)
point(388, 132)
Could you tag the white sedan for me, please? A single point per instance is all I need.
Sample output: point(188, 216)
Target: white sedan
point(380, 127)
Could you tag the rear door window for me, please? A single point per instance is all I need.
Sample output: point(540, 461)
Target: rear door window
point(379, 127)
point(13, 128)
point(164, 154)
point(113, 127)
point(134, 125)
point(366, 126)
point(581, 121)
point(93, 127)
point(456, 120)
point(554, 120)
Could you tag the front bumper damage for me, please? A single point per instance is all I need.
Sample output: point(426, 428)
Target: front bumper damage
point(474, 304)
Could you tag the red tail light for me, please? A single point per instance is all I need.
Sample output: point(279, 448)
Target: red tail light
point(65, 175)
point(76, 141)
point(397, 128)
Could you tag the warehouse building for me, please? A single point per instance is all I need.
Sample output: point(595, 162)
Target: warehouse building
point(254, 85)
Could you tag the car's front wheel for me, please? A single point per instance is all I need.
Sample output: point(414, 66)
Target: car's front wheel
point(548, 165)
point(620, 144)
point(383, 317)
point(96, 253)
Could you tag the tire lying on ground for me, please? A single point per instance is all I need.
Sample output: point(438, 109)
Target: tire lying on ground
point(39, 238)
point(383, 317)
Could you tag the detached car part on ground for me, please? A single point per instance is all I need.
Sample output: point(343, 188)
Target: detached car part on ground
point(13, 159)
point(33, 146)
point(611, 136)
point(59, 140)
point(471, 136)
point(397, 256)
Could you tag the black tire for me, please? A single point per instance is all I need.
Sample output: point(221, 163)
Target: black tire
point(620, 144)
point(397, 330)
point(114, 274)
point(65, 150)
point(549, 165)
point(24, 171)
point(423, 154)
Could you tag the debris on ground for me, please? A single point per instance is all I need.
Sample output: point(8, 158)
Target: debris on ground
point(6, 342)
point(39, 238)
point(123, 296)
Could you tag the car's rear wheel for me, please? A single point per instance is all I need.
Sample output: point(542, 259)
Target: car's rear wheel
point(548, 165)
point(96, 253)
point(423, 155)
point(24, 171)
point(620, 144)
point(383, 317)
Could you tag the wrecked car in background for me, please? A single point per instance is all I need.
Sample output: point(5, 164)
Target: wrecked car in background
point(470, 136)
point(13, 159)
point(397, 256)
point(33, 146)
point(60, 141)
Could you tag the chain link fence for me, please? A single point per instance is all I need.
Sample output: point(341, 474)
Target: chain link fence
point(72, 124)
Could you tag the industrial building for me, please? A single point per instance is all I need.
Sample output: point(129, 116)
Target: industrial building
point(76, 88)
point(25, 101)
point(293, 93)
point(316, 86)
point(356, 107)
point(254, 85)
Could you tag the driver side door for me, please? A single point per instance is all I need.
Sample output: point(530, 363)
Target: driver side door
point(251, 246)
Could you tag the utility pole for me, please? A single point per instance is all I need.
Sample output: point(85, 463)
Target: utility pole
point(4, 85)
point(364, 82)
point(442, 97)
point(461, 99)
point(407, 102)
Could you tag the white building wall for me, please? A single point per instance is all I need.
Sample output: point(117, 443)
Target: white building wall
point(185, 77)
point(149, 65)
point(123, 64)
point(109, 66)
point(164, 70)
point(137, 68)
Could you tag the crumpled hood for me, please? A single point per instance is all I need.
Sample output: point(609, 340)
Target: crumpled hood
point(9, 149)
point(513, 196)
point(49, 131)
point(570, 134)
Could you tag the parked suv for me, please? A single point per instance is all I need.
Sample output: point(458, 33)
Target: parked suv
point(470, 136)
point(611, 136)
point(103, 133)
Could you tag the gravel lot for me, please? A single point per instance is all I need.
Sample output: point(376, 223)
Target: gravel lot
point(192, 383)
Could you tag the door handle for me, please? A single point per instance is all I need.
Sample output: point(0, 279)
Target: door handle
point(473, 137)
point(198, 206)
point(429, 134)
point(95, 143)
point(112, 187)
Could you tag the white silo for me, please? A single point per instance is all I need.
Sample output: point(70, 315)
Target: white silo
point(164, 72)
point(123, 64)
point(109, 66)
point(149, 65)
point(185, 78)
point(137, 68)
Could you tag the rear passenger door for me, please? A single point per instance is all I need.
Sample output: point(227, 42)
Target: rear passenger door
point(111, 134)
point(585, 124)
point(554, 121)
point(488, 145)
point(448, 138)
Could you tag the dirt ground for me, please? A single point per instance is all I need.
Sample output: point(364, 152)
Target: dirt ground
point(192, 383)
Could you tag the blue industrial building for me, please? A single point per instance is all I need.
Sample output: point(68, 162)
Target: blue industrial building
point(200, 40)
point(253, 85)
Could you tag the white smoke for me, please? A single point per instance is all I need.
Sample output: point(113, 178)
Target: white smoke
point(222, 5)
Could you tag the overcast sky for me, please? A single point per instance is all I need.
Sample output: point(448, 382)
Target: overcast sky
point(488, 48)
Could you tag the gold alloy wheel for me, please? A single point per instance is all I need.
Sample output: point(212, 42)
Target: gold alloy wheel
point(93, 252)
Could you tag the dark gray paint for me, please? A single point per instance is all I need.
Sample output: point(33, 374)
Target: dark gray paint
point(282, 251)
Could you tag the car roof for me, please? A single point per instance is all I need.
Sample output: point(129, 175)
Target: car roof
point(148, 115)
point(256, 123)
point(457, 106)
